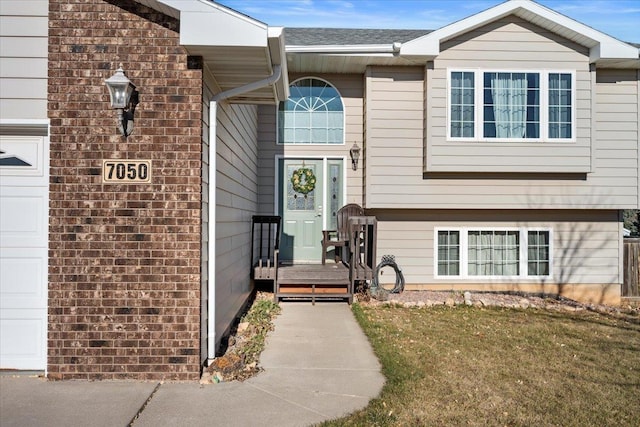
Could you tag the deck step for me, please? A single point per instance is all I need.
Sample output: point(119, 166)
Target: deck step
point(314, 281)
point(318, 289)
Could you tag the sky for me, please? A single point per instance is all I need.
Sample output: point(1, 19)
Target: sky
point(618, 18)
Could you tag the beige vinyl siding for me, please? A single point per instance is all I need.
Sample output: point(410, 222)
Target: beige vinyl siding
point(350, 88)
point(586, 247)
point(236, 202)
point(23, 54)
point(394, 128)
point(509, 44)
point(396, 143)
point(617, 149)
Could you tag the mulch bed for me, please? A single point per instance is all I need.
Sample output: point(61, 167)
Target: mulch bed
point(233, 364)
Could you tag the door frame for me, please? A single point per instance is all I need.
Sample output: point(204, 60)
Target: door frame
point(325, 159)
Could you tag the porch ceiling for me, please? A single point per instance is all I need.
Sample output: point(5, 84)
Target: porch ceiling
point(233, 67)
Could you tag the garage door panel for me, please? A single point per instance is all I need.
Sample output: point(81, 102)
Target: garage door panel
point(23, 157)
point(22, 339)
point(22, 216)
point(22, 274)
point(24, 195)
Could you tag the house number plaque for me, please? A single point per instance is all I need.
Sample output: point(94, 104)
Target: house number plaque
point(126, 171)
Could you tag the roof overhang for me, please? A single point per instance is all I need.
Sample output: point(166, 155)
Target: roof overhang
point(604, 50)
point(236, 49)
point(343, 59)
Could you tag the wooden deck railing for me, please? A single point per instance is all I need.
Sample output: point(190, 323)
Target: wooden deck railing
point(333, 280)
point(363, 232)
point(265, 240)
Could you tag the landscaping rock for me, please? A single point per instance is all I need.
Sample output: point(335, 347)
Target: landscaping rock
point(467, 298)
point(206, 379)
point(242, 326)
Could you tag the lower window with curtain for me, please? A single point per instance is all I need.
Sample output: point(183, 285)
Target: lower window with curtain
point(516, 252)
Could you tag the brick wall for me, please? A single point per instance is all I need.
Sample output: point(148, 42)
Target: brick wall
point(124, 268)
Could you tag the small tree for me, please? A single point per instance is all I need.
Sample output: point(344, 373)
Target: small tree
point(631, 219)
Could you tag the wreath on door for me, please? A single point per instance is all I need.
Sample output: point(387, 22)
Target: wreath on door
point(303, 180)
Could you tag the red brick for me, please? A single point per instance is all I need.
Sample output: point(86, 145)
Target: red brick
point(124, 259)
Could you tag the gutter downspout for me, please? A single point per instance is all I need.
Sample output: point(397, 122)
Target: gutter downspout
point(211, 262)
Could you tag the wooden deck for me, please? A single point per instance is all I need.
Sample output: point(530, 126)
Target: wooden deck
point(313, 281)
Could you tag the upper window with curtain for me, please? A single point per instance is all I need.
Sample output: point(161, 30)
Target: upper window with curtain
point(511, 106)
point(313, 114)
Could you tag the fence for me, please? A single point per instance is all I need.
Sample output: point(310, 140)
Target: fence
point(631, 284)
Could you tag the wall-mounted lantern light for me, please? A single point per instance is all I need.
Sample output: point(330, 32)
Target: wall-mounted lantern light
point(355, 155)
point(124, 98)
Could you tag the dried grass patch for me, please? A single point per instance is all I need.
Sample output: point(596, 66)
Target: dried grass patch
point(499, 366)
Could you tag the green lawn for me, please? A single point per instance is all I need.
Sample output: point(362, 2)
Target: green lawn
point(472, 366)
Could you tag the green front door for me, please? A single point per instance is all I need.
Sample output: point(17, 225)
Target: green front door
point(301, 206)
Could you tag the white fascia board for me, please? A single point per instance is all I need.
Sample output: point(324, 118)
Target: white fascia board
point(205, 23)
point(429, 44)
point(275, 36)
point(219, 29)
point(604, 46)
point(389, 49)
point(613, 49)
point(278, 56)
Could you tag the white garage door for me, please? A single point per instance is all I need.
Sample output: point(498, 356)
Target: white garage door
point(24, 176)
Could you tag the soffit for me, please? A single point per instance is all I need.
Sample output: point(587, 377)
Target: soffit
point(235, 48)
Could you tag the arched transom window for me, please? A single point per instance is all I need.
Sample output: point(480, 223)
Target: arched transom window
point(313, 114)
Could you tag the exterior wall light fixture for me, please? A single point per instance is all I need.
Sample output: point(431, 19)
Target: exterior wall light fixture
point(124, 98)
point(355, 156)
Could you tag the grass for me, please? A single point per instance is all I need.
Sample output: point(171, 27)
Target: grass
point(260, 319)
point(246, 342)
point(472, 366)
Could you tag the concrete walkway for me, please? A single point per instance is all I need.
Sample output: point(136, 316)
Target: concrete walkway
point(318, 365)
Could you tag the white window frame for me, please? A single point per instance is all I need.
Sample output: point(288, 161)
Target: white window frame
point(523, 267)
point(544, 104)
point(344, 119)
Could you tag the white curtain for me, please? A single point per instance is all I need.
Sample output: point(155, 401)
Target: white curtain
point(509, 92)
point(493, 253)
point(507, 253)
point(480, 253)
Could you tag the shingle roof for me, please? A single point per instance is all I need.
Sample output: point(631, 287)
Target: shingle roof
point(348, 36)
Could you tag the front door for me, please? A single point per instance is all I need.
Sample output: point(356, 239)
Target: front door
point(310, 193)
point(301, 207)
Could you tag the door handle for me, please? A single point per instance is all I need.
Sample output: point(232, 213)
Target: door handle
point(319, 211)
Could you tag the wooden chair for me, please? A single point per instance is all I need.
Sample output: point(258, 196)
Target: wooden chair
point(265, 232)
point(363, 235)
point(340, 237)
